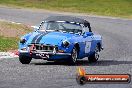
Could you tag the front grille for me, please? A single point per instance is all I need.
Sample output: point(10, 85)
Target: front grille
point(45, 48)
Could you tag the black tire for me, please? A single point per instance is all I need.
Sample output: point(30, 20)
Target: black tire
point(25, 59)
point(73, 57)
point(95, 56)
point(81, 80)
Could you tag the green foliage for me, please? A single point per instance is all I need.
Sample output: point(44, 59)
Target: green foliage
point(122, 8)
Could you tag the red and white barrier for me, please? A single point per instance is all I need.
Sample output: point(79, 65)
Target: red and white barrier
point(8, 55)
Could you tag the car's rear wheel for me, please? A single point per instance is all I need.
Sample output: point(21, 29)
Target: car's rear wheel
point(74, 56)
point(95, 56)
point(25, 59)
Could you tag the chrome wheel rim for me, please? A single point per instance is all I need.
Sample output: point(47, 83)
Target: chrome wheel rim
point(74, 55)
point(96, 53)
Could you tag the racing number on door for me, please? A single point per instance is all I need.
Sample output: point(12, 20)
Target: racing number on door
point(87, 46)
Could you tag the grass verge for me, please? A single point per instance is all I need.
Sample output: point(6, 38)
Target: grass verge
point(7, 43)
point(10, 34)
point(120, 8)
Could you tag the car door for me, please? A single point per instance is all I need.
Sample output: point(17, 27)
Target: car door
point(88, 42)
point(88, 37)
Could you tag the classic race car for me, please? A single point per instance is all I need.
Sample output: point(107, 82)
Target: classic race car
point(60, 37)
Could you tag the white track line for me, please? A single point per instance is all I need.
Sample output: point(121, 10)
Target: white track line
point(34, 27)
point(15, 22)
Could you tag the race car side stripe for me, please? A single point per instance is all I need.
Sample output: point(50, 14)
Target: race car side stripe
point(40, 37)
point(33, 41)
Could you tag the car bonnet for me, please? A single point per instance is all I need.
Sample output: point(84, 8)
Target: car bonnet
point(52, 38)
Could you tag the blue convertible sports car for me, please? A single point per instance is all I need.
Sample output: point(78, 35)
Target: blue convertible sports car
point(60, 37)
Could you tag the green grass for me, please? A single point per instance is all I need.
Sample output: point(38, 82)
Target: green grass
point(10, 34)
point(7, 43)
point(121, 8)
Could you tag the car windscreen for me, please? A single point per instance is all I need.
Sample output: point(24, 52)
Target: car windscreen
point(61, 26)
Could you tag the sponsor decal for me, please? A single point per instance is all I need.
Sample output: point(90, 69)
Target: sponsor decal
point(83, 78)
point(42, 55)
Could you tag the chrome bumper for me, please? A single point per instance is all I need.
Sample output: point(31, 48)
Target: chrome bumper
point(40, 52)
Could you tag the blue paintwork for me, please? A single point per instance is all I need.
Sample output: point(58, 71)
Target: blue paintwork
point(56, 38)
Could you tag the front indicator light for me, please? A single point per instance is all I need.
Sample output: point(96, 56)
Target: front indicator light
point(61, 51)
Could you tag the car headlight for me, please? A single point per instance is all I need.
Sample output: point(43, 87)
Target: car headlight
point(22, 41)
point(65, 43)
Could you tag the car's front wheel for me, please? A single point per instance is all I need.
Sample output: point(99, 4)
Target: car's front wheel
point(74, 56)
point(25, 59)
point(95, 56)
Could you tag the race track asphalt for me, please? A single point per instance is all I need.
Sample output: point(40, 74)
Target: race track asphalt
point(116, 58)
